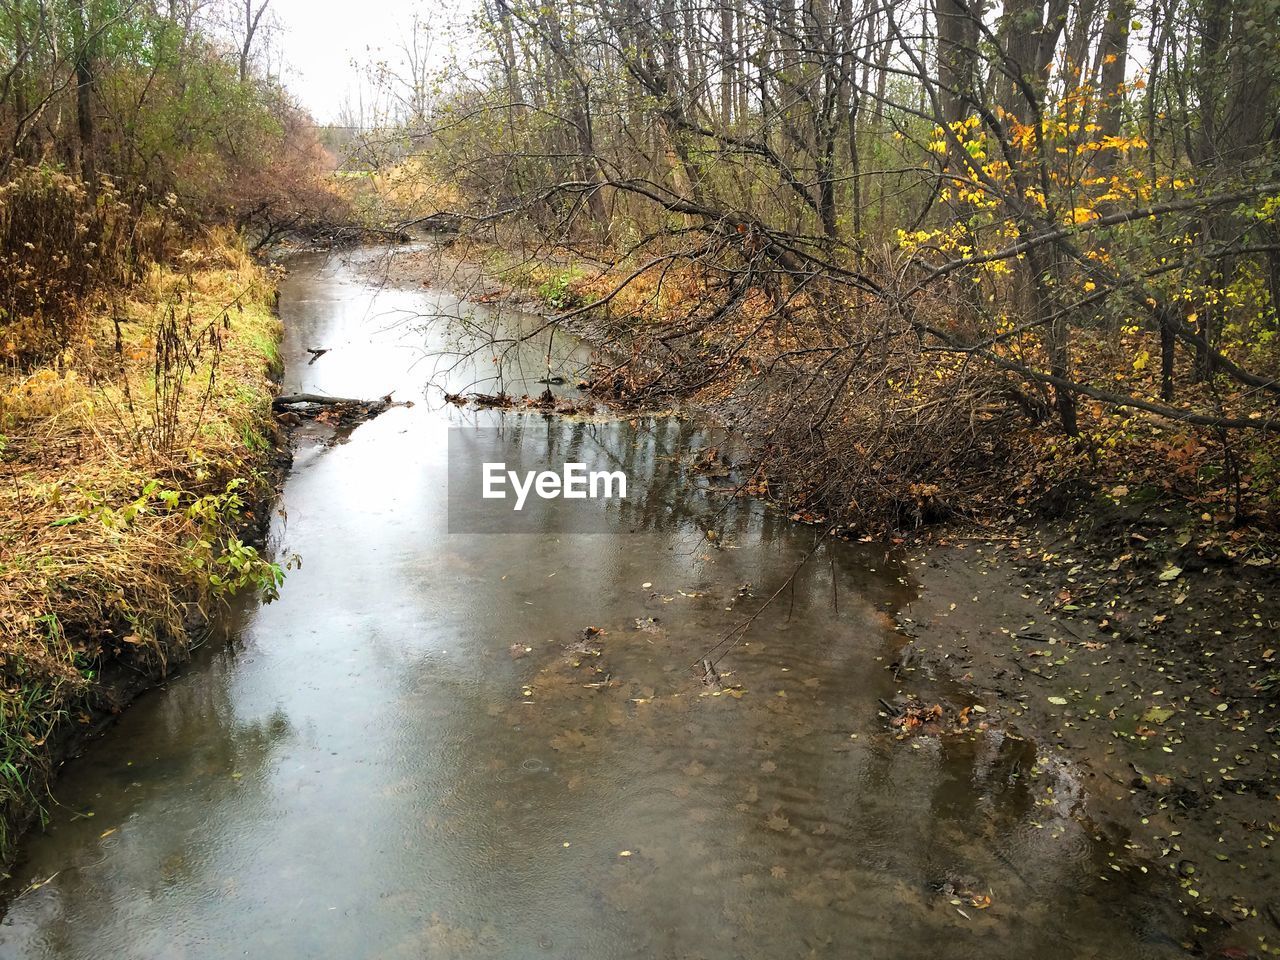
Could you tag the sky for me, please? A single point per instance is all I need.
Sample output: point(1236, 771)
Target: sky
point(315, 42)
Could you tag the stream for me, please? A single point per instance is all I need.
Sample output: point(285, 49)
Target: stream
point(421, 750)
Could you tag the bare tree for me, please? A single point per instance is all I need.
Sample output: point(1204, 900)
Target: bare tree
point(250, 24)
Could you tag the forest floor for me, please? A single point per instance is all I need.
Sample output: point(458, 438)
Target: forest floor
point(131, 464)
point(1136, 643)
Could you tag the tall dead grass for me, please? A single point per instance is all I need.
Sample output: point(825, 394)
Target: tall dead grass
point(130, 457)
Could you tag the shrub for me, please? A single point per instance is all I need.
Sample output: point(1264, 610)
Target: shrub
point(61, 247)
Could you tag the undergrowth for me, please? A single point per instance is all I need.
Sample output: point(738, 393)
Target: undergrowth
point(901, 437)
point(129, 461)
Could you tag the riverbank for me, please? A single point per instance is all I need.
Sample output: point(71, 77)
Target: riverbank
point(134, 464)
point(1158, 688)
point(1129, 630)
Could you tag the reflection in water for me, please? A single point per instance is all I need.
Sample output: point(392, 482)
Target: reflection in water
point(415, 754)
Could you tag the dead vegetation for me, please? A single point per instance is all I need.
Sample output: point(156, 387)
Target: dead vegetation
point(859, 422)
point(62, 246)
point(130, 460)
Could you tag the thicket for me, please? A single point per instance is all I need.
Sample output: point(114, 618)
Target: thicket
point(125, 126)
point(936, 256)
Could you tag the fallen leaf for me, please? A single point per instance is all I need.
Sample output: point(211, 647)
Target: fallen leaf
point(1157, 714)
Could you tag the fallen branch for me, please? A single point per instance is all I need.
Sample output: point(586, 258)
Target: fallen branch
point(319, 399)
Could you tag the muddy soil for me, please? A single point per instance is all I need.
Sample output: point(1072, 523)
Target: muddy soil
point(1161, 688)
point(1151, 668)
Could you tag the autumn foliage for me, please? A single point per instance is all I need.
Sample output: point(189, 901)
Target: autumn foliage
point(936, 259)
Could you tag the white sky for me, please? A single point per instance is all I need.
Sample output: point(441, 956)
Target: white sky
point(316, 41)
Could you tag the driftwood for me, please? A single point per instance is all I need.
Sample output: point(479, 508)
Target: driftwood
point(288, 400)
point(545, 401)
point(345, 413)
point(500, 399)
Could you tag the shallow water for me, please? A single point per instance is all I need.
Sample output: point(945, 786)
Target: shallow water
point(376, 767)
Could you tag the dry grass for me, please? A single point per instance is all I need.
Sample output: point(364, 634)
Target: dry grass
point(394, 194)
point(127, 463)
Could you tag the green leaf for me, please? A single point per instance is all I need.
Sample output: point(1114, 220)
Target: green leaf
point(1157, 714)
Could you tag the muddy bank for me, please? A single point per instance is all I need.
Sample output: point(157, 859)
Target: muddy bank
point(1160, 691)
point(1140, 659)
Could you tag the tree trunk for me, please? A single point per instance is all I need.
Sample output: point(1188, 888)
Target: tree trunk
point(23, 143)
point(727, 62)
point(1115, 53)
point(252, 19)
point(84, 93)
point(957, 49)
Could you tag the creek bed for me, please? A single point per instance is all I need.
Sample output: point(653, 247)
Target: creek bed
point(420, 750)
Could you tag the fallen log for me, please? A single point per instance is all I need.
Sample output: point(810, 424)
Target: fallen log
point(293, 399)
